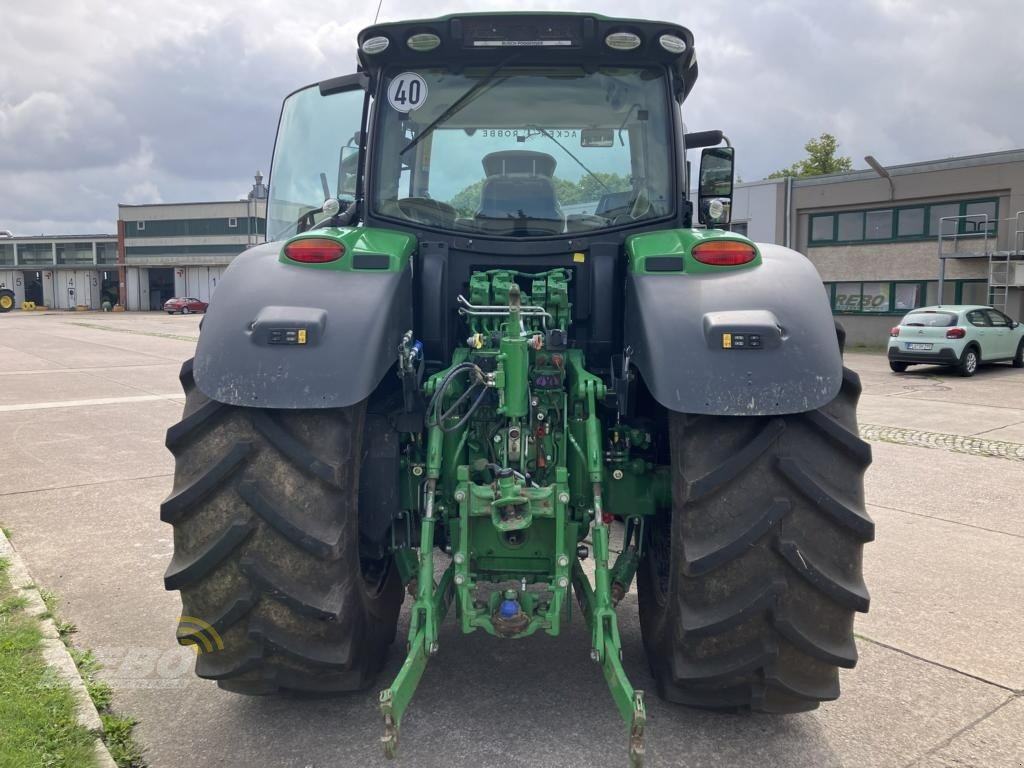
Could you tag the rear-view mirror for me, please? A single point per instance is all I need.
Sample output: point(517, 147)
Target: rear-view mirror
point(597, 137)
point(714, 190)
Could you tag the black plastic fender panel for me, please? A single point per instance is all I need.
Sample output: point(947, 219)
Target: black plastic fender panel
point(283, 336)
point(751, 342)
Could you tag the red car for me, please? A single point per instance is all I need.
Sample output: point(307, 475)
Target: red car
point(184, 305)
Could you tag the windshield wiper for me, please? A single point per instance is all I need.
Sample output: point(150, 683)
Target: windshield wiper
point(459, 104)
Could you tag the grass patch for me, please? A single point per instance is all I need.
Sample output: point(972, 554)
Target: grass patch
point(99, 691)
point(118, 737)
point(117, 730)
point(38, 712)
point(39, 716)
point(8, 533)
point(12, 604)
point(64, 628)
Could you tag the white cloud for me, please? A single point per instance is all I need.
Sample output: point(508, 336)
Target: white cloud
point(143, 100)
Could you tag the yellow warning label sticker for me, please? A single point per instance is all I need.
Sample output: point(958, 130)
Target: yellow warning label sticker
point(579, 258)
point(726, 341)
point(301, 336)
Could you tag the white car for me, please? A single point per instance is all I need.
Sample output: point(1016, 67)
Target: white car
point(959, 335)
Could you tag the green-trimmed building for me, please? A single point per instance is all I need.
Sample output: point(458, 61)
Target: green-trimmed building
point(181, 249)
point(875, 237)
point(60, 271)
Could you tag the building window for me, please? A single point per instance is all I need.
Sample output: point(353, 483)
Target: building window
point(106, 253)
point(74, 253)
point(981, 217)
point(35, 254)
point(908, 296)
point(878, 225)
point(232, 223)
point(911, 222)
point(850, 226)
point(140, 226)
point(973, 292)
point(917, 222)
point(938, 212)
point(897, 297)
point(846, 297)
point(823, 229)
point(878, 297)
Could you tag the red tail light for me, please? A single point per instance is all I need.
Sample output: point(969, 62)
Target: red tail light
point(955, 333)
point(724, 253)
point(314, 250)
point(894, 331)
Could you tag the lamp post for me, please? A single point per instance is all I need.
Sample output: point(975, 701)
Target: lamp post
point(877, 168)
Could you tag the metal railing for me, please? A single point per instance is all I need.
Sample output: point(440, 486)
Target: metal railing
point(998, 278)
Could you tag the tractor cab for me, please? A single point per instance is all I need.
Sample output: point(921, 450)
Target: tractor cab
point(531, 141)
point(498, 127)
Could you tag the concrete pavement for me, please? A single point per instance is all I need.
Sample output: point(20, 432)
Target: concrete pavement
point(84, 403)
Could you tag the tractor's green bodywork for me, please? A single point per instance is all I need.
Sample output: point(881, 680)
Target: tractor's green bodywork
point(568, 467)
point(530, 370)
point(526, 522)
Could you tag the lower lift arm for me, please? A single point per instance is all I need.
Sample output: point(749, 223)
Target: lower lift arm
point(513, 504)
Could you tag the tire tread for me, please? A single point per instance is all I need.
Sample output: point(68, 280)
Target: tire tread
point(756, 609)
point(266, 553)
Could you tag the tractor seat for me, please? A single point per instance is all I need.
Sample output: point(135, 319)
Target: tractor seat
point(518, 194)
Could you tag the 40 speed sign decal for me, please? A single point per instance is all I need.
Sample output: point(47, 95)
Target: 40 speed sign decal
point(407, 92)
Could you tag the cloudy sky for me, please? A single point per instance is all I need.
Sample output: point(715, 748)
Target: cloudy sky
point(141, 101)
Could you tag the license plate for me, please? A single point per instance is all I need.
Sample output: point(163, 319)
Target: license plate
point(919, 346)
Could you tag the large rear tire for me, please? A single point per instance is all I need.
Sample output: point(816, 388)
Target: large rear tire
point(6, 300)
point(748, 589)
point(266, 549)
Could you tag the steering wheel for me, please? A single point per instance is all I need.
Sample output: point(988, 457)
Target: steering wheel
point(423, 210)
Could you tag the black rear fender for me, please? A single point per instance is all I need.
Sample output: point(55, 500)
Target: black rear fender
point(250, 351)
point(691, 337)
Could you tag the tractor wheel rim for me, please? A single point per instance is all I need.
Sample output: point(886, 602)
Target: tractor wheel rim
point(5, 302)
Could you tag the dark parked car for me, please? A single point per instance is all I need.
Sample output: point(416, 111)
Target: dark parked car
point(184, 305)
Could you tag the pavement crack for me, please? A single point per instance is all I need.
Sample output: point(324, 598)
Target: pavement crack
point(134, 332)
point(957, 734)
point(85, 485)
point(936, 663)
point(946, 520)
point(994, 429)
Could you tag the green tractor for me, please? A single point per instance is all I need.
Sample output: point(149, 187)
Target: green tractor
point(487, 359)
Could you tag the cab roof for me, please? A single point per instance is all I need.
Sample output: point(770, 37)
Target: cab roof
point(492, 39)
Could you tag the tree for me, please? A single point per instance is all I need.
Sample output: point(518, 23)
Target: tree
point(467, 201)
point(821, 158)
point(587, 189)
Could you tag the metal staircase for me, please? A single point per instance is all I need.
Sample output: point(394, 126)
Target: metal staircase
point(1005, 267)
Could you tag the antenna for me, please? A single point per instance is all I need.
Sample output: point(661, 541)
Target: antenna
point(377, 15)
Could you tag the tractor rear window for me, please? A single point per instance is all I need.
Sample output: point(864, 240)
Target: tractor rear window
point(524, 151)
point(930, 319)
